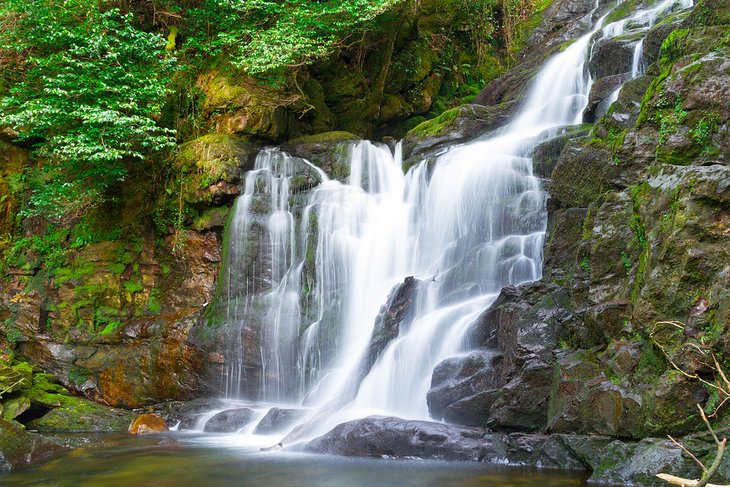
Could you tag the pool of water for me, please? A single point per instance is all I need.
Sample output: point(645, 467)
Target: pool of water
point(190, 460)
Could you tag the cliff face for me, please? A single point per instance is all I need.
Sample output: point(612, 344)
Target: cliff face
point(636, 257)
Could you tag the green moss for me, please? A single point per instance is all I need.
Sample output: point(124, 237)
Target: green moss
point(334, 136)
point(436, 126)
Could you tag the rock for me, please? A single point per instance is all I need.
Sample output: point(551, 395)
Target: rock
point(328, 151)
point(214, 165)
point(581, 175)
point(616, 462)
point(522, 403)
point(146, 424)
point(377, 436)
point(611, 57)
point(546, 155)
point(454, 126)
point(601, 90)
point(558, 17)
point(277, 420)
point(76, 415)
point(188, 413)
point(228, 421)
point(397, 312)
point(242, 107)
point(469, 381)
point(19, 448)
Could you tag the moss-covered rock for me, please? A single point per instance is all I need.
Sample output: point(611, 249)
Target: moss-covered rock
point(76, 415)
point(242, 106)
point(454, 126)
point(19, 448)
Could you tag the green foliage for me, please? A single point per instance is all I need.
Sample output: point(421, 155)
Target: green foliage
point(91, 88)
point(702, 132)
point(261, 36)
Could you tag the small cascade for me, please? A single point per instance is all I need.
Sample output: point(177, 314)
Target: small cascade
point(305, 282)
point(637, 67)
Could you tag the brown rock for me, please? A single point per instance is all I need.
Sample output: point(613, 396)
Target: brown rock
point(147, 424)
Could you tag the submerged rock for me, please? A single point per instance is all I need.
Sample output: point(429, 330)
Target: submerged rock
point(228, 421)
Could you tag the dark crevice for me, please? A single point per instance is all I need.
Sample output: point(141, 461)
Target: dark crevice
point(35, 411)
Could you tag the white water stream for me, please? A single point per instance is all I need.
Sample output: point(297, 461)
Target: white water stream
point(474, 224)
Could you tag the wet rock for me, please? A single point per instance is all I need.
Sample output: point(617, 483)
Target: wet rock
point(146, 424)
point(558, 17)
point(454, 126)
point(277, 420)
point(228, 421)
point(188, 413)
point(611, 57)
point(397, 312)
point(328, 151)
point(377, 436)
point(546, 155)
point(521, 404)
point(19, 448)
point(581, 175)
point(462, 387)
point(601, 91)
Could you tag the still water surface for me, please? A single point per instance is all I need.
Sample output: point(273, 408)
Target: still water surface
point(185, 460)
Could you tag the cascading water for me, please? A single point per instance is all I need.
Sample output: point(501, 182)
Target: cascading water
point(465, 227)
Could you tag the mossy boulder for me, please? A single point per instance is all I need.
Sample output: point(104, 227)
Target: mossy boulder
point(212, 166)
point(76, 415)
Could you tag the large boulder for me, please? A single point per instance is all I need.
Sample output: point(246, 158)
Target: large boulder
point(377, 436)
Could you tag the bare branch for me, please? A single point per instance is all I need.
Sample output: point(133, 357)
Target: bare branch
point(679, 481)
point(709, 427)
point(689, 453)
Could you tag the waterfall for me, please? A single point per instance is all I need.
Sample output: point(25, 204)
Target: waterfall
point(465, 227)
